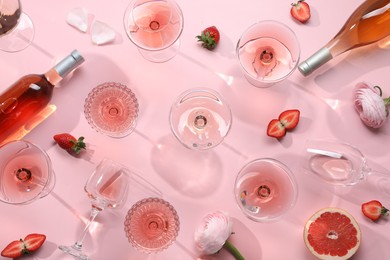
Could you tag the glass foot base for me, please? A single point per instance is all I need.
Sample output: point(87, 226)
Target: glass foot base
point(75, 251)
point(20, 37)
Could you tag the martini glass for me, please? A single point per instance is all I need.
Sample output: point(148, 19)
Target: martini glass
point(200, 119)
point(26, 173)
point(154, 26)
point(16, 28)
point(341, 164)
point(268, 52)
point(107, 189)
point(265, 189)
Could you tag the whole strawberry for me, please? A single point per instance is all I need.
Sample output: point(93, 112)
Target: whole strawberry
point(209, 37)
point(69, 143)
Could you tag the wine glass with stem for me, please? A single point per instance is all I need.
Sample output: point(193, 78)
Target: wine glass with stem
point(154, 26)
point(200, 118)
point(16, 28)
point(107, 187)
point(343, 165)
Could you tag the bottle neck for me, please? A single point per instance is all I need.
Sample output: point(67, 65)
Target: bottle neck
point(315, 61)
point(53, 77)
point(64, 67)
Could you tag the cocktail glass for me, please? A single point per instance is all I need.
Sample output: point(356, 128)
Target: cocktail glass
point(268, 52)
point(154, 26)
point(265, 189)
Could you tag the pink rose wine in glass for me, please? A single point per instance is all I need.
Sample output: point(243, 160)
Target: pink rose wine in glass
point(112, 108)
point(25, 173)
point(107, 188)
point(16, 28)
point(152, 225)
point(200, 119)
point(154, 26)
point(265, 189)
point(268, 52)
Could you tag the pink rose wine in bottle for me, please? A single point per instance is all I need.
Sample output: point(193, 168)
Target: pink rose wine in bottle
point(368, 24)
point(152, 225)
point(265, 189)
point(22, 104)
point(268, 52)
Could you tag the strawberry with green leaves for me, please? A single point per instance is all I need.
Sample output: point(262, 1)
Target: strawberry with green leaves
point(209, 37)
point(29, 244)
point(69, 143)
point(287, 120)
point(374, 210)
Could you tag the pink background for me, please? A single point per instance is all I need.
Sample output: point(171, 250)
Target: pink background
point(197, 183)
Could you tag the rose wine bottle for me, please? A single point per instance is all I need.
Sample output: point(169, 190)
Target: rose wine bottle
point(24, 104)
point(369, 23)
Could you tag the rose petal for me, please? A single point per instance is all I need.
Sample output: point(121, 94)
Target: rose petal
point(78, 18)
point(102, 33)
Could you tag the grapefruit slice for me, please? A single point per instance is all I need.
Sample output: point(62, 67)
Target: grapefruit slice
point(332, 233)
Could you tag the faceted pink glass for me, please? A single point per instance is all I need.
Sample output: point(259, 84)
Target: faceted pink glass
point(152, 225)
point(111, 108)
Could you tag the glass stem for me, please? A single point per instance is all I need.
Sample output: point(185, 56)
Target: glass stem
point(94, 212)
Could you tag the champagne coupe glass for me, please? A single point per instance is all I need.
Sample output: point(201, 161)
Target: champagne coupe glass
point(200, 118)
point(154, 26)
point(107, 187)
point(16, 28)
point(26, 173)
point(268, 52)
point(265, 189)
point(341, 164)
point(112, 109)
point(152, 225)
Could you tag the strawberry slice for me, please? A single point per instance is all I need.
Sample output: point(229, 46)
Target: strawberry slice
point(374, 210)
point(276, 129)
point(17, 248)
point(287, 120)
point(300, 11)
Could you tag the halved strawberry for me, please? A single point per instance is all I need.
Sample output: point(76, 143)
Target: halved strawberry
point(276, 129)
point(374, 210)
point(300, 11)
point(21, 247)
point(287, 120)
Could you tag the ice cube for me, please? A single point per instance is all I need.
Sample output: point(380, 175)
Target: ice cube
point(78, 18)
point(101, 33)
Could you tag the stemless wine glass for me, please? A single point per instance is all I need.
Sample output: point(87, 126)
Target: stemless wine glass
point(265, 189)
point(152, 225)
point(268, 52)
point(340, 164)
point(112, 109)
point(107, 188)
point(16, 28)
point(154, 26)
point(26, 173)
point(200, 118)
